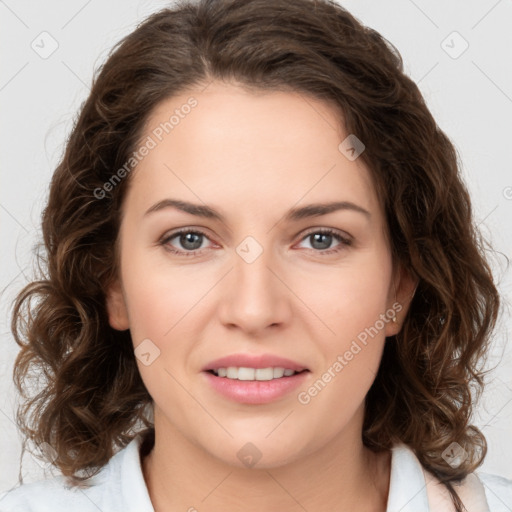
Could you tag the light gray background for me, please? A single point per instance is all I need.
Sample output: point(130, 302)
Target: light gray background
point(470, 96)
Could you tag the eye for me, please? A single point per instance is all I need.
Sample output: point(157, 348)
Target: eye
point(322, 239)
point(189, 242)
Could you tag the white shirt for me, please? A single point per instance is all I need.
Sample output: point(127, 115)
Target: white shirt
point(120, 487)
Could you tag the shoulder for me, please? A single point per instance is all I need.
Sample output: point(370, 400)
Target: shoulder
point(118, 486)
point(479, 492)
point(498, 491)
point(44, 496)
point(411, 483)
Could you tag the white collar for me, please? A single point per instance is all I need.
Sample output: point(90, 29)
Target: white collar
point(407, 485)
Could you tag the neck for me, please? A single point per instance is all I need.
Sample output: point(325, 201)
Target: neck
point(343, 475)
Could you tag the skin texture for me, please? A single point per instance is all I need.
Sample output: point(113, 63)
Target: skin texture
point(253, 156)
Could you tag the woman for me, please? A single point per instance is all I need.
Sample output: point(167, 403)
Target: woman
point(263, 280)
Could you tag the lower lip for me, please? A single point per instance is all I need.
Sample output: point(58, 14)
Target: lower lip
point(255, 391)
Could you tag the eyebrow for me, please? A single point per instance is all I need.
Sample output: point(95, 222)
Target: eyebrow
point(294, 214)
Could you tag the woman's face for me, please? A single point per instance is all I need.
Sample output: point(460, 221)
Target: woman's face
point(260, 279)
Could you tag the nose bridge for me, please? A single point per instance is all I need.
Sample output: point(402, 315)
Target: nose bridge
point(253, 279)
point(251, 264)
point(255, 298)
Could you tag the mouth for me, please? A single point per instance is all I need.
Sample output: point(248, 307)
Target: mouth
point(255, 386)
point(254, 374)
point(254, 378)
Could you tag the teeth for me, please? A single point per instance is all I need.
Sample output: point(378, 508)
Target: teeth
point(243, 373)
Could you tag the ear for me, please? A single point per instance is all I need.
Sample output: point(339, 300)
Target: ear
point(116, 307)
point(402, 289)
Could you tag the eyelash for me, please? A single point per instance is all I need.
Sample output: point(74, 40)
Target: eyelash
point(344, 242)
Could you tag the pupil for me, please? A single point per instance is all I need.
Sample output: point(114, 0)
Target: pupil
point(324, 244)
point(188, 241)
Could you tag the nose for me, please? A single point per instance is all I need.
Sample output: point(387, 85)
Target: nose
point(254, 296)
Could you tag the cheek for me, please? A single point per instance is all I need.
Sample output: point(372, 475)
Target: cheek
point(347, 299)
point(350, 303)
point(152, 308)
point(161, 297)
point(160, 305)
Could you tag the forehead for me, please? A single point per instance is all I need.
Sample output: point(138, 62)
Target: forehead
point(235, 145)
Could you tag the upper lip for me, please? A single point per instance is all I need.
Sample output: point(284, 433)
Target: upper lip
point(254, 361)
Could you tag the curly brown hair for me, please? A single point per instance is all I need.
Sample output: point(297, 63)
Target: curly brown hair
point(92, 399)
